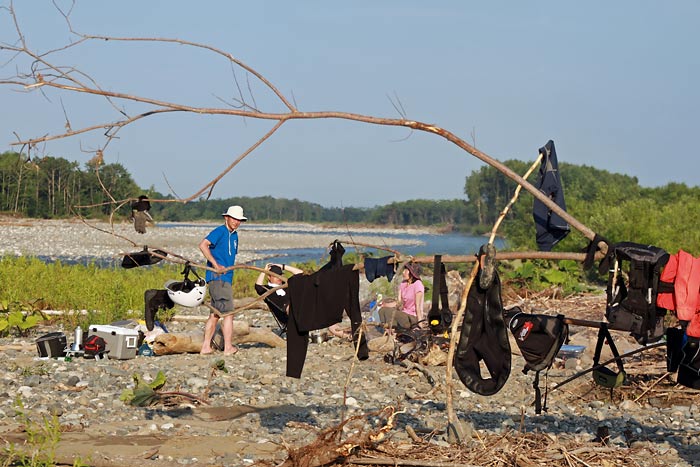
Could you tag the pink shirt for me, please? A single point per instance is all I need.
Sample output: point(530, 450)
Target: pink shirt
point(408, 295)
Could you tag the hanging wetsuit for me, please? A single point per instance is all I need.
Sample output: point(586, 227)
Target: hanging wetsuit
point(317, 301)
point(484, 337)
point(550, 227)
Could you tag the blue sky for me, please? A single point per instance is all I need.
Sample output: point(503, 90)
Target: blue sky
point(614, 84)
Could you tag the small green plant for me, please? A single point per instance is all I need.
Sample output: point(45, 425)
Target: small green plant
point(540, 274)
point(42, 439)
point(17, 319)
point(149, 394)
point(144, 394)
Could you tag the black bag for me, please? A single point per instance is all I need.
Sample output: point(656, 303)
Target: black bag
point(539, 338)
point(94, 346)
point(689, 368)
point(439, 318)
point(631, 306)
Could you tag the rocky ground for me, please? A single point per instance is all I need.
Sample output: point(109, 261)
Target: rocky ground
point(243, 410)
point(251, 412)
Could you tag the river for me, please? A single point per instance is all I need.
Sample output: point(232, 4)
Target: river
point(422, 245)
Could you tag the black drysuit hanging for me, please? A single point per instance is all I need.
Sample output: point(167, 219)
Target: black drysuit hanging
point(550, 227)
point(484, 338)
point(318, 301)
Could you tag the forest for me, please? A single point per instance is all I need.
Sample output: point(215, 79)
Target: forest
point(614, 205)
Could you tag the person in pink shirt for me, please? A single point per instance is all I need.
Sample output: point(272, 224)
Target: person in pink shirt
point(407, 311)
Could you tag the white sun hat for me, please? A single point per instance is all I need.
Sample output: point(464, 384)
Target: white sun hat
point(236, 212)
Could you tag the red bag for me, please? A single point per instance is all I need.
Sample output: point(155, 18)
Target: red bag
point(94, 345)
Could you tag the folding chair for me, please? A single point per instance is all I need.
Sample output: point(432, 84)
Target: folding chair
point(280, 316)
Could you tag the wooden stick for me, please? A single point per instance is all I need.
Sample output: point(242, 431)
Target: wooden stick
point(451, 416)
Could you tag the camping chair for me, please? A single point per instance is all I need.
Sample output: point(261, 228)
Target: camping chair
point(280, 316)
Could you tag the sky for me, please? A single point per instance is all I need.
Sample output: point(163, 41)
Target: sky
point(616, 86)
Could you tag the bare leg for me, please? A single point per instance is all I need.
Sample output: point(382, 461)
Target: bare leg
point(209, 329)
point(227, 329)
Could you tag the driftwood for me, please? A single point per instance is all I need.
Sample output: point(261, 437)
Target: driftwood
point(176, 343)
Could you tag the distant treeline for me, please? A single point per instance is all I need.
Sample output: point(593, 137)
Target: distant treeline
point(613, 205)
point(268, 209)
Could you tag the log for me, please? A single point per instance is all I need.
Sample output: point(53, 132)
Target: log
point(176, 343)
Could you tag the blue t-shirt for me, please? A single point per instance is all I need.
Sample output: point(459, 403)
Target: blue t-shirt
point(224, 246)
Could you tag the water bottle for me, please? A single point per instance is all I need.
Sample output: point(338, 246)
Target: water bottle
point(77, 339)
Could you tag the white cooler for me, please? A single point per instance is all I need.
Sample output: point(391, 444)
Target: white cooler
point(122, 343)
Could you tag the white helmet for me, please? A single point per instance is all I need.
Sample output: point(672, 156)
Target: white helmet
point(186, 293)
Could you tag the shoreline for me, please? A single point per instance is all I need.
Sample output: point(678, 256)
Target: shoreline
point(73, 238)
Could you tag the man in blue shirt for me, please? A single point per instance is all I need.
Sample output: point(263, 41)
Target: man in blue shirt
point(220, 248)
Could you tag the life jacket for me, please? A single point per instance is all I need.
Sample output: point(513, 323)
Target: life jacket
point(679, 289)
point(631, 305)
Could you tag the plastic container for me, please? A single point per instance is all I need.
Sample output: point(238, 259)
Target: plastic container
point(121, 343)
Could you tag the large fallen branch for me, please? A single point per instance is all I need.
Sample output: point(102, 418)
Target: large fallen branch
point(176, 343)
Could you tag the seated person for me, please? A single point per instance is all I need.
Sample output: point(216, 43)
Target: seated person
point(278, 301)
point(408, 310)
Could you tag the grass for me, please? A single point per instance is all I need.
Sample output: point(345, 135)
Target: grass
point(107, 294)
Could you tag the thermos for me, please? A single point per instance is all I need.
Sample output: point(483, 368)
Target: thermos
point(77, 339)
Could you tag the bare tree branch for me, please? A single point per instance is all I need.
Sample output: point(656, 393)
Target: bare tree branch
point(45, 75)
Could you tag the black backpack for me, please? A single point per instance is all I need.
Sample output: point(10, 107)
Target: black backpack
point(539, 338)
point(631, 304)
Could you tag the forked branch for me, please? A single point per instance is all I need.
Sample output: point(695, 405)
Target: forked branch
point(45, 75)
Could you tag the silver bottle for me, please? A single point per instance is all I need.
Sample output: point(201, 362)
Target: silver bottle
point(77, 339)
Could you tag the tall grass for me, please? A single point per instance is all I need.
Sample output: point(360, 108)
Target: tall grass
point(107, 294)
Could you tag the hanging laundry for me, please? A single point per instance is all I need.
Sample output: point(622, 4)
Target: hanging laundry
point(140, 213)
point(141, 258)
point(378, 267)
point(682, 273)
point(439, 317)
point(484, 338)
point(336, 252)
point(550, 227)
point(317, 301)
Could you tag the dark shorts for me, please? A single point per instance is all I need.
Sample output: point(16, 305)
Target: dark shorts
point(221, 294)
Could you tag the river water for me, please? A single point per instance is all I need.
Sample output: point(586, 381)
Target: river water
point(424, 245)
point(412, 242)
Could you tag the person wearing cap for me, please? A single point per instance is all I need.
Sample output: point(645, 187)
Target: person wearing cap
point(220, 247)
point(408, 310)
point(279, 298)
point(279, 301)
